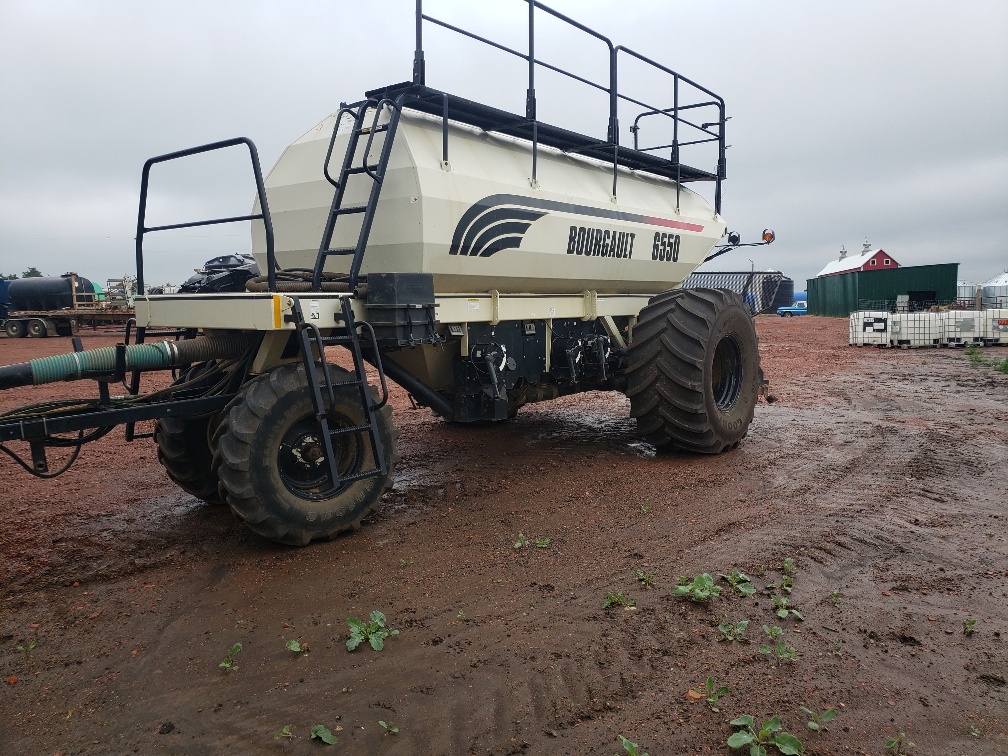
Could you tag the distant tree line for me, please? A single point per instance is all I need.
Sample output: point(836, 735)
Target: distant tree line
point(32, 272)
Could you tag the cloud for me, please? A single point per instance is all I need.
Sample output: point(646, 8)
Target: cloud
point(853, 119)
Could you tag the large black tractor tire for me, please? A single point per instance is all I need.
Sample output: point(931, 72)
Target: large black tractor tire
point(693, 370)
point(272, 466)
point(185, 449)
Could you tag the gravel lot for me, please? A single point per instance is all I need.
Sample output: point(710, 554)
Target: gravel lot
point(882, 473)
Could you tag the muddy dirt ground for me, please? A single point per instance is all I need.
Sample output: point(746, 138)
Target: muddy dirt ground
point(882, 473)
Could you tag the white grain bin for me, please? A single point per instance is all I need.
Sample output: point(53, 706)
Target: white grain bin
point(870, 328)
point(916, 329)
point(961, 327)
point(995, 326)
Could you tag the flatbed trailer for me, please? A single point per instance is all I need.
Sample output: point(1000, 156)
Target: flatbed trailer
point(41, 323)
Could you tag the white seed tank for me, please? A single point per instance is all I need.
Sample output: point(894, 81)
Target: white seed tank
point(478, 223)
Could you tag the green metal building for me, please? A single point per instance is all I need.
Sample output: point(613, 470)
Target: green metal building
point(840, 295)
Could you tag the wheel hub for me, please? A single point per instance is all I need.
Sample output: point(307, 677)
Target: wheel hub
point(302, 461)
point(726, 373)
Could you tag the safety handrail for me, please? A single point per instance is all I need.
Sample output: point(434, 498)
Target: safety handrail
point(263, 215)
point(612, 88)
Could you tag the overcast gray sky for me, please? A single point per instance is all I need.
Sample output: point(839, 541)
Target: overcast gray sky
point(883, 119)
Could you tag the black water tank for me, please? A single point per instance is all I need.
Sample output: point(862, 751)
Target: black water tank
point(49, 293)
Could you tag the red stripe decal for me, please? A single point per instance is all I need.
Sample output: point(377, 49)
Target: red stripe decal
point(673, 224)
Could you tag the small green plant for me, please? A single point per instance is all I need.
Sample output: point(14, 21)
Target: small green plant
point(990, 533)
point(836, 597)
point(817, 721)
point(389, 727)
point(521, 542)
point(228, 663)
point(899, 745)
point(732, 632)
point(1002, 367)
point(770, 733)
point(783, 611)
point(969, 627)
point(297, 647)
point(837, 647)
point(631, 748)
point(461, 615)
point(740, 582)
point(323, 733)
point(406, 562)
point(701, 588)
point(787, 583)
point(374, 632)
point(712, 692)
point(645, 508)
point(789, 568)
point(26, 649)
point(778, 650)
point(618, 599)
point(284, 733)
point(542, 543)
point(973, 352)
point(974, 731)
point(646, 579)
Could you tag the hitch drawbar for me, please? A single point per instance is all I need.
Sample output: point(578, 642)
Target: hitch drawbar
point(102, 361)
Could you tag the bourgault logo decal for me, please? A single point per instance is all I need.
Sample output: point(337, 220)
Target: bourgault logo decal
point(500, 221)
point(600, 242)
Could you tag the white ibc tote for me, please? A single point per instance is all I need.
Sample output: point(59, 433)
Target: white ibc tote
point(961, 327)
point(916, 329)
point(869, 328)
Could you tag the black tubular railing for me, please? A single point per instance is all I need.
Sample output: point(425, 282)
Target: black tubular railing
point(701, 99)
point(263, 215)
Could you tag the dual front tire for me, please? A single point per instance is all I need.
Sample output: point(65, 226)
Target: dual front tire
point(264, 457)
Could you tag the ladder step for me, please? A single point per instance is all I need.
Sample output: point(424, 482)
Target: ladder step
point(362, 169)
point(336, 339)
point(342, 251)
point(350, 429)
point(360, 475)
point(350, 209)
point(340, 384)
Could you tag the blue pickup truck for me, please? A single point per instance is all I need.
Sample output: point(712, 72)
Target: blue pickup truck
point(798, 308)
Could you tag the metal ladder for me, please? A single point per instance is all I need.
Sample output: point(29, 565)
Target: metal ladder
point(312, 341)
point(374, 171)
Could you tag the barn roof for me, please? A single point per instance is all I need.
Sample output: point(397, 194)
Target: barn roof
point(849, 262)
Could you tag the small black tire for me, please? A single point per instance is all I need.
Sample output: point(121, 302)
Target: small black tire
point(788, 314)
point(269, 466)
point(185, 449)
point(15, 329)
point(693, 370)
point(37, 328)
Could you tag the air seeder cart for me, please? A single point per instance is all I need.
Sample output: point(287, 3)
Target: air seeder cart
point(479, 258)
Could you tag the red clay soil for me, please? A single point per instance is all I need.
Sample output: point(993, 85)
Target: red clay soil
point(882, 473)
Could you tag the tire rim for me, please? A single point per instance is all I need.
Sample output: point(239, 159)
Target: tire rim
point(302, 462)
point(726, 373)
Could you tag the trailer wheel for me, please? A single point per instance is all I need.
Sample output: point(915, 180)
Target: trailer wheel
point(37, 328)
point(693, 373)
point(15, 329)
point(185, 449)
point(272, 467)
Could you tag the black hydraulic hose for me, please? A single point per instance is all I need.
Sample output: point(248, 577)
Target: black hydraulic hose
point(154, 356)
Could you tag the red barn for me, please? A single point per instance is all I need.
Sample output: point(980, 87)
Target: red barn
point(869, 259)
